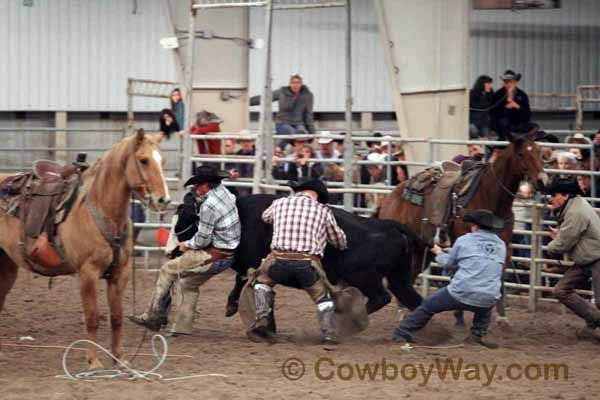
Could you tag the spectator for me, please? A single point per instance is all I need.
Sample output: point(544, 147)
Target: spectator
point(339, 145)
point(177, 107)
point(523, 212)
point(546, 151)
point(585, 184)
point(511, 107)
point(480, 104)
point(566, 160)
point(474, 153)
point(326, 147)
point(278, 170)
point(247, 148)
point(168, 123)
point(244, 170)
point(376, 177)
point(388, 148)
point(375, 146)
point(207, 123)
point(295, 107)
point(229, 150)
point(582, 155)
point(302, 167)
point(401, 171)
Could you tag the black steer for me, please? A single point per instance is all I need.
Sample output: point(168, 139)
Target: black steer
point(377, 249)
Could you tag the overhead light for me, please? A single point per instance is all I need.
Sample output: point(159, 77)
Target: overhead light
point(169, 42)
point(28, 3)
point(256, 43)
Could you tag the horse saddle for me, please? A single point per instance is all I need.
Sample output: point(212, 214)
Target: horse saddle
point(450, 187)
point(41, 199)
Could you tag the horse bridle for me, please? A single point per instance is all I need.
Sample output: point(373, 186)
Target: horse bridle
point(144, 185)
point(507, 190)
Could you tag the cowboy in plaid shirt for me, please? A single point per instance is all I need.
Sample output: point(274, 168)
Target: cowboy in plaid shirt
point(205, 255)
point(302, 226)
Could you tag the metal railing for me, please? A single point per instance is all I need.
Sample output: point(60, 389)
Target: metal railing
point(538, 279)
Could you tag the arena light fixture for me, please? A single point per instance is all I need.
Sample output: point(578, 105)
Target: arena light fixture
point(169, 42)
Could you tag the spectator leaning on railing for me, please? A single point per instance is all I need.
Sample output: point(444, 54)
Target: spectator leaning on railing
point(577, 236)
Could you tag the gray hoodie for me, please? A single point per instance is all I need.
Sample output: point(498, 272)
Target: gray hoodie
point(293, 110)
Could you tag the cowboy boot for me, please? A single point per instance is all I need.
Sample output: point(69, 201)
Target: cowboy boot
point(186, 313)
point(478, 340)
point(155, 315)
point(326, 311)
point(263, 298)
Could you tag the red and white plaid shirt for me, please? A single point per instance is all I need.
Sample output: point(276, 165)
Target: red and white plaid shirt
point(302, 225)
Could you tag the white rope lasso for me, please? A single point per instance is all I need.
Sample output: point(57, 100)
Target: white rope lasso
point(126, 371)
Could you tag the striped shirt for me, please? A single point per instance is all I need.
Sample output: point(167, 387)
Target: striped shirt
point(219, 222)
point(302, 225)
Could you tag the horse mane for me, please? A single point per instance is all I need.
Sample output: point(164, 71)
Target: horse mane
point(501, 173)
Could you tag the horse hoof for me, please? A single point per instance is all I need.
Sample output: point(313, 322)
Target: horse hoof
point(95, 365)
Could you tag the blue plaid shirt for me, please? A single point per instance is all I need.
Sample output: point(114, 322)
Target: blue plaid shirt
point(219, 223)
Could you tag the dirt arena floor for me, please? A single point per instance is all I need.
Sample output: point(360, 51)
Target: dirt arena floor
point(368, 366)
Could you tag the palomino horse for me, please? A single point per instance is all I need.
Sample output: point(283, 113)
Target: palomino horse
point(496, 192)
point(132, 165)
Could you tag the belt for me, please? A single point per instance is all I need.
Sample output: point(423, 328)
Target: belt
point(219, 254)
point(284, 255)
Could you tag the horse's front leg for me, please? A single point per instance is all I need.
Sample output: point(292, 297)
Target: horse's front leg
point(89, 276)
point(115, 289)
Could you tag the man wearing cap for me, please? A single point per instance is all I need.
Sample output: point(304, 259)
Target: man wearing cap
point(511, 107)
point(205, 255)
point(302, 225)
point(479, 258)
point(578, 236)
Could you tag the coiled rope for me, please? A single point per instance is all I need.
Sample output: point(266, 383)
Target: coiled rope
point(126, 371)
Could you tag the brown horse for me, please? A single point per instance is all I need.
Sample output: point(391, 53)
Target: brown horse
point(132, 165)
point(496, 192)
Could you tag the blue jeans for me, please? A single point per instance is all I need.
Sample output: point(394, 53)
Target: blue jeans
point(439, 302)
point(282, 128)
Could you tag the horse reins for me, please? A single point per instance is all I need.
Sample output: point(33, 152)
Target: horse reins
point(508, 191)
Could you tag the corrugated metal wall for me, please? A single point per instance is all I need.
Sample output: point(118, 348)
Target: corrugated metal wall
point(311, 43)
point(555, 50)
point(76, 55)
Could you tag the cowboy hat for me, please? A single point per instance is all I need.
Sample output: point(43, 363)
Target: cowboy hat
point(206, 173)
point(510, 75)
point(565, 186)
point(484, 219)
point(311, 184)
point(326, 139)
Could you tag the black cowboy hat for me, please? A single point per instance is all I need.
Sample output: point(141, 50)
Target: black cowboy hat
point(564, 186)
point(484, 219)
point(311, 184)
point(542, 136)
point(206, 173)
point(510, 75)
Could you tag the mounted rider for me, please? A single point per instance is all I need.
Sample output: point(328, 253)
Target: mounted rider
point(302, 226)
point(208, 253)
